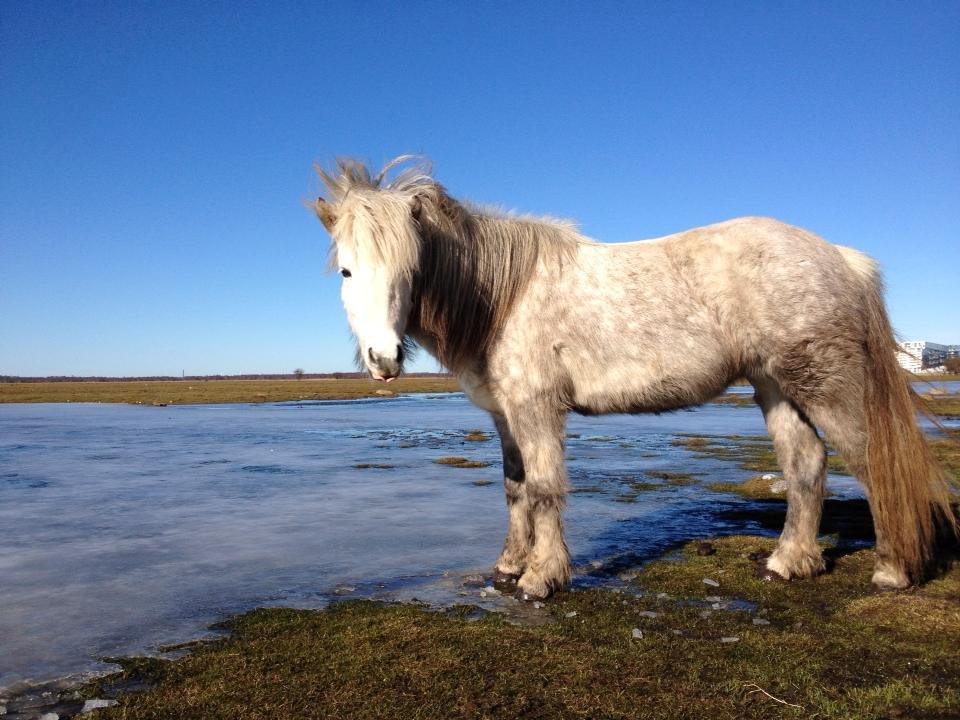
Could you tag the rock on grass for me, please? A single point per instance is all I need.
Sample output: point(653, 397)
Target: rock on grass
point(758, 487)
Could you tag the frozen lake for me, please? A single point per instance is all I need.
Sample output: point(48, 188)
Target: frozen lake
point(123, 527)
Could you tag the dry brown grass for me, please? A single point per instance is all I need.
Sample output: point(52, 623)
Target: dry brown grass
point(185, 392)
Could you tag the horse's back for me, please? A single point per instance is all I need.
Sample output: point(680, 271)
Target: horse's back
point(790, 304)
point(670, 321)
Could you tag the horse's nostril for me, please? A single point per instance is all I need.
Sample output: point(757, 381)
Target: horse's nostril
point(399, 353)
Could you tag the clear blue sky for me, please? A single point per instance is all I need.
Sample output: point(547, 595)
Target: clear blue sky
point(154, 157)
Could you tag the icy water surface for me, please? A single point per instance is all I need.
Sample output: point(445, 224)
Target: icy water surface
point(123, 527)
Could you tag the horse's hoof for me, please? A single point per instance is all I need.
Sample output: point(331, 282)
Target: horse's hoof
point(768, 575)
point(889, 580)
point(504, 581)
point(524, 596)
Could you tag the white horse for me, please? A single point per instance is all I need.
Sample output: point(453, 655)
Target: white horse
point(536, 320)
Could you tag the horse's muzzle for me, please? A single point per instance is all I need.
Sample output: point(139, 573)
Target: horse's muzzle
point(383, 367)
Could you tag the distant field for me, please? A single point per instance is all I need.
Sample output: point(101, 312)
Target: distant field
point(183, 392)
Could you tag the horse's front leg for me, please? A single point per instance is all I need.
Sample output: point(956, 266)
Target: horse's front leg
point(538, 433)
point(519, 542)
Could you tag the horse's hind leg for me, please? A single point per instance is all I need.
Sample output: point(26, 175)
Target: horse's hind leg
point(519, 542)
point(845, 428)
point(802, 457)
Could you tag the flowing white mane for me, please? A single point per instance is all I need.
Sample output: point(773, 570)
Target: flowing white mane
point(468, 265)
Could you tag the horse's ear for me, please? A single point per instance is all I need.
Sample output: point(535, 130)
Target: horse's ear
point(416, 207)
point(325, 213)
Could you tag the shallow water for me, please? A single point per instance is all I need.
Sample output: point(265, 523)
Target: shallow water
point(123, 527)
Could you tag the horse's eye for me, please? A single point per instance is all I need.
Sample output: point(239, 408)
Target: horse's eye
point(345, 272)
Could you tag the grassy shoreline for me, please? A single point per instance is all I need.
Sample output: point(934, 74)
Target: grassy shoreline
point(192, 392)
point(668, 645)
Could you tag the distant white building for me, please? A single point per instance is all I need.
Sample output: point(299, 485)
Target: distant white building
point(910, 355)
point(919, 355)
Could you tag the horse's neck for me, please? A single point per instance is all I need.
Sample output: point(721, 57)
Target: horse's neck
point(472, 276)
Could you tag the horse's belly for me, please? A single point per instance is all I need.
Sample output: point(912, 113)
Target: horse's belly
point(645, 384)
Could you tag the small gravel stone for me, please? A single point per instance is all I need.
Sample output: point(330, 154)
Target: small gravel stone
point(637, 634)
point(491, 590)
point(768, 476)
point(663, 596)
point(760, 621)
point(50, 716)
point(706, 613)
point(713, 598)
point(678, 632)
point(729, 639)
point(711, 582)
point(648, 614)
point(717, 606)
point(537, 604)
point(572, 613)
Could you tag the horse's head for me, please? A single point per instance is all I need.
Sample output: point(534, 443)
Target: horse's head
point(376, 247)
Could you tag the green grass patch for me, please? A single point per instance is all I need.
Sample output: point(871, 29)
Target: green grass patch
point(755, 488)
point(735, 399)
point(947, 452)
point(754, 453)
point(690, 441)
point(830, 647)
point(460, 462)
point(943, 405)
point(672, 478)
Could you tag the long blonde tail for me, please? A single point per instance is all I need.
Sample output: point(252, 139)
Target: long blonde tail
point(909, 491)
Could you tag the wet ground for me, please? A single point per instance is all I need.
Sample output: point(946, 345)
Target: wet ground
point(127, 528)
